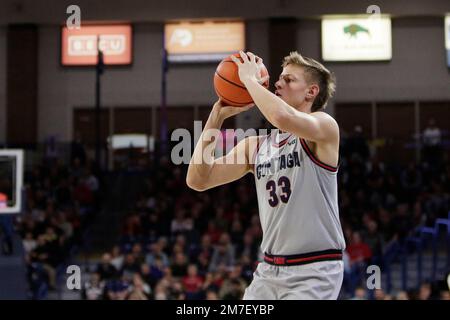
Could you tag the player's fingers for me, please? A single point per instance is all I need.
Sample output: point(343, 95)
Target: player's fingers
point(248, 106)
point(252, 57)
point(236, 60)
point(264, 79)
point(259, 60)
point(243, 56)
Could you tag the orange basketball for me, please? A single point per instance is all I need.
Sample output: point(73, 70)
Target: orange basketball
point(229, 87)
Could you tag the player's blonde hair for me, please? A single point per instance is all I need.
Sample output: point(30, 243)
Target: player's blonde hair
point(315, 73)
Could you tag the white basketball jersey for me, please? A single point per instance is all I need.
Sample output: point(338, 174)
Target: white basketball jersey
point(297, 197)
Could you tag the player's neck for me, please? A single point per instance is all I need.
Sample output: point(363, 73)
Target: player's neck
point(304, 107)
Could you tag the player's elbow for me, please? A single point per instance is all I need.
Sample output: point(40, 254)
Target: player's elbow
point(195, 184)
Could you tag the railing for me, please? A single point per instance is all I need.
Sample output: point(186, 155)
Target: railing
point(418, 242)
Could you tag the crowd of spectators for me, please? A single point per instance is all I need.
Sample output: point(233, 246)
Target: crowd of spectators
point(61, 198)
point(180, 244)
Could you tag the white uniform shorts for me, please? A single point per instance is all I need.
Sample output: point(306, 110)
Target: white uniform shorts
point(314, 281)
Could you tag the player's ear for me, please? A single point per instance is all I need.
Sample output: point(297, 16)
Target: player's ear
point(312, 92)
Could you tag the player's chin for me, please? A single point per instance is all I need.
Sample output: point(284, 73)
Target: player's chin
point(285, 99)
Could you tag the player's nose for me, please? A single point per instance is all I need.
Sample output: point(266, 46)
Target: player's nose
point(278, 84)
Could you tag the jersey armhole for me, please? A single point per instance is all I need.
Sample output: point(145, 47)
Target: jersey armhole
point(315, 160)
point(259, 143)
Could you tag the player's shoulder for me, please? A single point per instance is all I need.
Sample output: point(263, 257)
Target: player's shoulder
point(322, 115)
point(325, 119)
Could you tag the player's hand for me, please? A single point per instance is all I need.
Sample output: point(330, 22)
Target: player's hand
point(250, 68)
point(224, 111)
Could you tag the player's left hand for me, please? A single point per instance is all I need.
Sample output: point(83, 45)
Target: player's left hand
point(250, 68)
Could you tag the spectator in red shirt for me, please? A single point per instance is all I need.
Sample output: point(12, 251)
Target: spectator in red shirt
point(192, 283)
point(359, 254)
point(358, 250)
point(213, 232)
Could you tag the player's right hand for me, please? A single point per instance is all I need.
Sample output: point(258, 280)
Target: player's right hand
point(224, 111)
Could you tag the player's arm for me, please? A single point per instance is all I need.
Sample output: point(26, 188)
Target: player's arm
point(317, 126)
point(234, 165)
point(204, 171)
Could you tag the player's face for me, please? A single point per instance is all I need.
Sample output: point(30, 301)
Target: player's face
point(292, 86)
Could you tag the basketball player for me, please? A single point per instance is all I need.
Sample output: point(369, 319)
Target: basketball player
point(295, 170)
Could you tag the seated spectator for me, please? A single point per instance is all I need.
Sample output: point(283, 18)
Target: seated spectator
point(255, 228)
point(146, 275)
point(425, 292)
point(248, 266)
point(205, 249)
point(156, 252)
point(213, 232)
point(248, 247)
point(137, 294)
point(211, 295)
point(152, 225)
point(402, 221)
point(359, 255)
point(105, 269)
point(130, 266)
point(29, 243)
point(161, 292)
point(181, 224)
point(180, 241)
point(444, 295)
point(176, 291)
point(139, 289)
point(91, 180)
point(236, 233)
point(432, 142)
point(358, 251)
point(93, 289)
point(64, 225)
point(220, 275)
point(380, 294)
point(209, 283)
point(157, 270)
point(219, 219)
point(373, 239)
point(402, 295)
point(41, 255)
point(117, 289)
point(203, 261)
point(179, 265)
point(117, 258)
point(137, 253)
point(54, 246)
point(411, 181)
point(360, 294)
point(192, 283)
point(132, 226)
point(223, 254)
point(164, 243)
point(82, 195)
point(234, 285)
